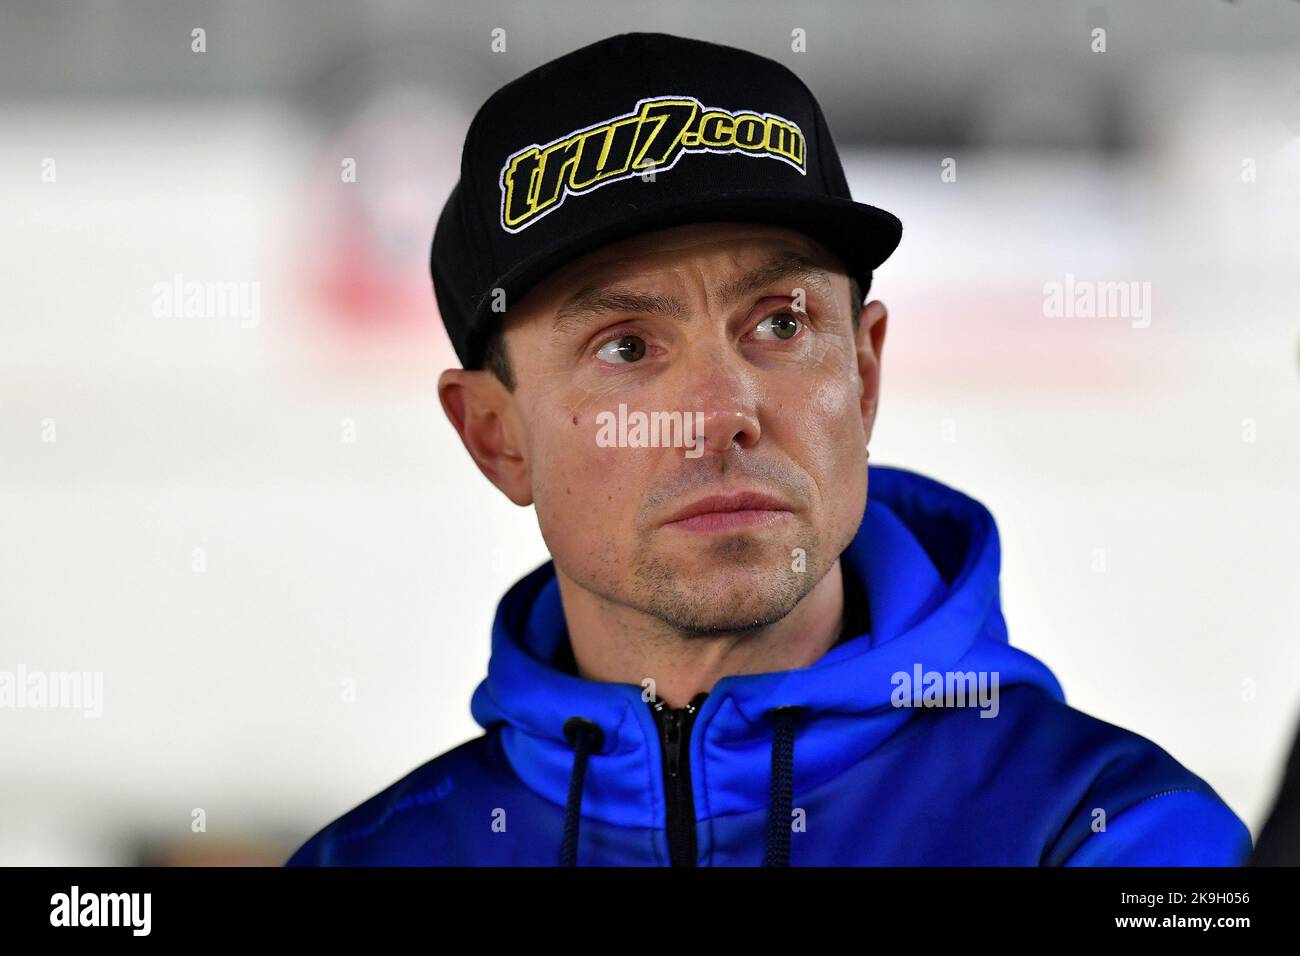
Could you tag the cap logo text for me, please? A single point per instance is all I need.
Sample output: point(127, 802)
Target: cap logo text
point(536, 180)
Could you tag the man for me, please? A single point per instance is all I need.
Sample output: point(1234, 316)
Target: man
point(742, 652)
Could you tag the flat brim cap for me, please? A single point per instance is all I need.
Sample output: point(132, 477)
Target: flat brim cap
point(633, 133)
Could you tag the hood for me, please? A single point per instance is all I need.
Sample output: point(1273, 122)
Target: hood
point(927, 559)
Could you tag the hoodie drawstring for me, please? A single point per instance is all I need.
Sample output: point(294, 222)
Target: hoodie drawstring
point(780, 801)
point(583, 736)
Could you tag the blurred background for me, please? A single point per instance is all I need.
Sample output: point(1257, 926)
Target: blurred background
point(256, 525)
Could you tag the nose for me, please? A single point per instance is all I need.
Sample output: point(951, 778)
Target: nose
point(725, 393)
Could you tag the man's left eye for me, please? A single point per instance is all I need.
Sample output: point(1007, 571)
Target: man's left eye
point(784, 325)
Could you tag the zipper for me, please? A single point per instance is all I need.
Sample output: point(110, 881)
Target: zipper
point(675, 736)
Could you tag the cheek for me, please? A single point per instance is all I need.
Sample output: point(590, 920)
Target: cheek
point(831, 423)
point(836, 400)
point(831, 446)
point(585, 495)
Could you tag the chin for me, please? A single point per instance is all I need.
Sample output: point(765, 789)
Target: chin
point(718, 600)
point(713, 620)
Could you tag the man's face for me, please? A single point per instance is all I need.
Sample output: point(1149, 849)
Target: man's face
point(703, 319)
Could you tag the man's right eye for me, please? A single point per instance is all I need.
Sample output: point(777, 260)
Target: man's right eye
point(624, 349)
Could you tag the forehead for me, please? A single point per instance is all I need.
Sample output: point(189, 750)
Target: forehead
point(722, 248)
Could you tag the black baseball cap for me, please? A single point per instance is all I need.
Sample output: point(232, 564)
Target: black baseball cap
point(636, 132)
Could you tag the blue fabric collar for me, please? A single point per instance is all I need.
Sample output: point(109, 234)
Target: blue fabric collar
point(927, 558)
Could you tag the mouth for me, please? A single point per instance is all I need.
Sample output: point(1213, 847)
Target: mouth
point(731, 512)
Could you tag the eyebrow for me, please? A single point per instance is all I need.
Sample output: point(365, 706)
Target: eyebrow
point(594, 300)
point(787, 265)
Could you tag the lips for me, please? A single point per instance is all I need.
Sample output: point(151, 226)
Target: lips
point(725, 512)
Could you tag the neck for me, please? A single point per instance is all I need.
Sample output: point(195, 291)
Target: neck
point(616, 643)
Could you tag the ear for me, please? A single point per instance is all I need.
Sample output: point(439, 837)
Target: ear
point(482, 411)
point(870, 349)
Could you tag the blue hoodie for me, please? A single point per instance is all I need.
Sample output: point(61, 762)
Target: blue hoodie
point(876, 754)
